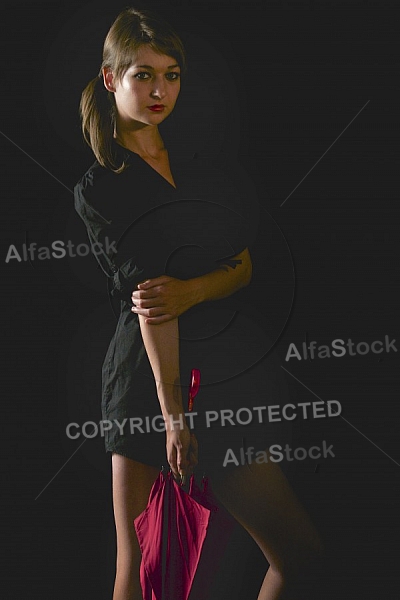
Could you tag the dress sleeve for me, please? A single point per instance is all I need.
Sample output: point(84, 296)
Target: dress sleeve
point(103, 237)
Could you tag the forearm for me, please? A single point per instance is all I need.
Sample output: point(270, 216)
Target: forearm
point(162, 346)
point(222, 282)
point(164, 298)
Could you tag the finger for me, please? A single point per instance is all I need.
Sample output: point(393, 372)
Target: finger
point(145, 312)
point(173, 465)
point(181, 462)
point(145, 304)
point(155, 302)
point(149, 283)
point(144, 293)
point(143, 285)
point(177, 477)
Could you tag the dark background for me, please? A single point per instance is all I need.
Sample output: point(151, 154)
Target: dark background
point(303, 82)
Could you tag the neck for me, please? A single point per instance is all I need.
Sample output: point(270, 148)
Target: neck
point(147, 141)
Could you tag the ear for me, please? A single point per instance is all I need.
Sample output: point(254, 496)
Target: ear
point(108, 79)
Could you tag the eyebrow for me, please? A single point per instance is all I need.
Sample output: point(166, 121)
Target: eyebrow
point(152, 68)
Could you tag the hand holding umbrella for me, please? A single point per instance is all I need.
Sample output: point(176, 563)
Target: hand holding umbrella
point(193, 448)
point(182, 446)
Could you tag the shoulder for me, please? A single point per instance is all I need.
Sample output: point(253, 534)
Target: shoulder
point(86, 191)
point(97, 176)
point(92, 179)
point(93, 191)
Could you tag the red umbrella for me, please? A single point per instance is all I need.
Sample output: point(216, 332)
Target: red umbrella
point(170, 553)
point(172, 532)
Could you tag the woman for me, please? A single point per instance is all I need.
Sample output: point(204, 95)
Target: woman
point(180, 247)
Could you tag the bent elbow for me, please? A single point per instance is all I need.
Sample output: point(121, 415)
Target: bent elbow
point(248, 271)
point(247, 275)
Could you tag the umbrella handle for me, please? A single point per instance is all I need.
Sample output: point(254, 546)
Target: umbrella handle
point(194, 387)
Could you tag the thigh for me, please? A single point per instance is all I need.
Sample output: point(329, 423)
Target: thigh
point(260, 497)
point(131, 483)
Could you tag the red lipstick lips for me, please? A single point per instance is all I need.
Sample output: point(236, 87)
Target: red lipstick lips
point(156, 107)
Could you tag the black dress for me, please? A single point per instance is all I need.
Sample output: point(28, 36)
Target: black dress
point(140, 227)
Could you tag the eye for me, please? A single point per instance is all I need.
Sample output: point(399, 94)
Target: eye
point(142, 75)
point(173, 76)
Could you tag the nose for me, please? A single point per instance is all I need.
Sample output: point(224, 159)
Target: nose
point(158, 89)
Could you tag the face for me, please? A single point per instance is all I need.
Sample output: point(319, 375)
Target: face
point(148, 90)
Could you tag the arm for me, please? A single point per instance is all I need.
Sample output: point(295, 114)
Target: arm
point(162, 343)
point(165, 298)
point(162, 347)
point(224, 281)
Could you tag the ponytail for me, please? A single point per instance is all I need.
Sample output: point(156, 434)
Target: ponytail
point(97, 109)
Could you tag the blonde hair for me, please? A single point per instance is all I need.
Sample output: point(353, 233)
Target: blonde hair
point(131, 30)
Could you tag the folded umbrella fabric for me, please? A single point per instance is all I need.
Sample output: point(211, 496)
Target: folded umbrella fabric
point(171, 533)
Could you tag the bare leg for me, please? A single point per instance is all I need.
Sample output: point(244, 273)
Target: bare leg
point(132, 482)
point(259, 496)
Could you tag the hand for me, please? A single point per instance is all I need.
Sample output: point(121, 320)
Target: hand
point(162, 299)
point(182, 452)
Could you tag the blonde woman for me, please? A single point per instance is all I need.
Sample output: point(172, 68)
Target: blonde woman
point(154, 203)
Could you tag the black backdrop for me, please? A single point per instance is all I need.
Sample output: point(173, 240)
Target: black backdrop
point(303, 93)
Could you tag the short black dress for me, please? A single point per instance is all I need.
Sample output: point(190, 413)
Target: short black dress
point(141, 227)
